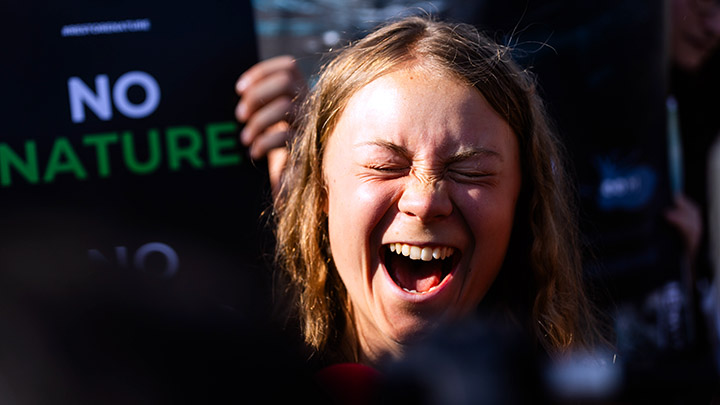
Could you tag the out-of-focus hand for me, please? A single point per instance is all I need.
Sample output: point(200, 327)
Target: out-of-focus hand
point(686, 217)
point(267, 93)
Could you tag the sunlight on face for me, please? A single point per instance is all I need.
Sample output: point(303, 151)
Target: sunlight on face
point(422, 177)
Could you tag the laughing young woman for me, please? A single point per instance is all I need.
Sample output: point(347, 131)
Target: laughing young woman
point(424, 185)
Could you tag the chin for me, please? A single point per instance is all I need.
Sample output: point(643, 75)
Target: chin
point(412, 329)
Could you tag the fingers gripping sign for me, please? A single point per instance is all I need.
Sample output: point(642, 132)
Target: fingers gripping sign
point(267, 93)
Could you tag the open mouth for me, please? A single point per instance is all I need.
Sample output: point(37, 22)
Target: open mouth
point(418, 269)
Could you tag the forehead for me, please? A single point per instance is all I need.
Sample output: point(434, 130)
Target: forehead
point(420, 106)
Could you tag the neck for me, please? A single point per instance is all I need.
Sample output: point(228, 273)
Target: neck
point(373, 351)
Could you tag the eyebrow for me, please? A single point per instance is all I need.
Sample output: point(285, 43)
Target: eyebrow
point(471, 153)
point(458, 157)
point(397, 149)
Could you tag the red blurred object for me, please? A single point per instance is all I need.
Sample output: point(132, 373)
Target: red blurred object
point(349, 383)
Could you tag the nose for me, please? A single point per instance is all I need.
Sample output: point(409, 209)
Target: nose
point(425, 200)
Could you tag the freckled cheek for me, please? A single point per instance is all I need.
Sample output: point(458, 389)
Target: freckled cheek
point(373, 201)
point(354, 213)
point(355, 209)
point(490, 218)
point(488, 213)
point(345, 240)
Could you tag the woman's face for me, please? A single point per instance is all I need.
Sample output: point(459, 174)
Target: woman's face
point(422, 178)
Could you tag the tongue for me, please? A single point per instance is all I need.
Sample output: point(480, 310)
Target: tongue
point(416, 275)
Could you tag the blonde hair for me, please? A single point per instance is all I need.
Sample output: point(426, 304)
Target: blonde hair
point(543, 250)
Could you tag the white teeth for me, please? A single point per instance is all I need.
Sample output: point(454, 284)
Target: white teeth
point(426, 254)
point(421, 253)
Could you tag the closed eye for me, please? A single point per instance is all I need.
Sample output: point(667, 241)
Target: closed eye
point(390, 169)
point(469, 176)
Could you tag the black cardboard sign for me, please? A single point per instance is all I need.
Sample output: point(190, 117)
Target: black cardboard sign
point(120, 145)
